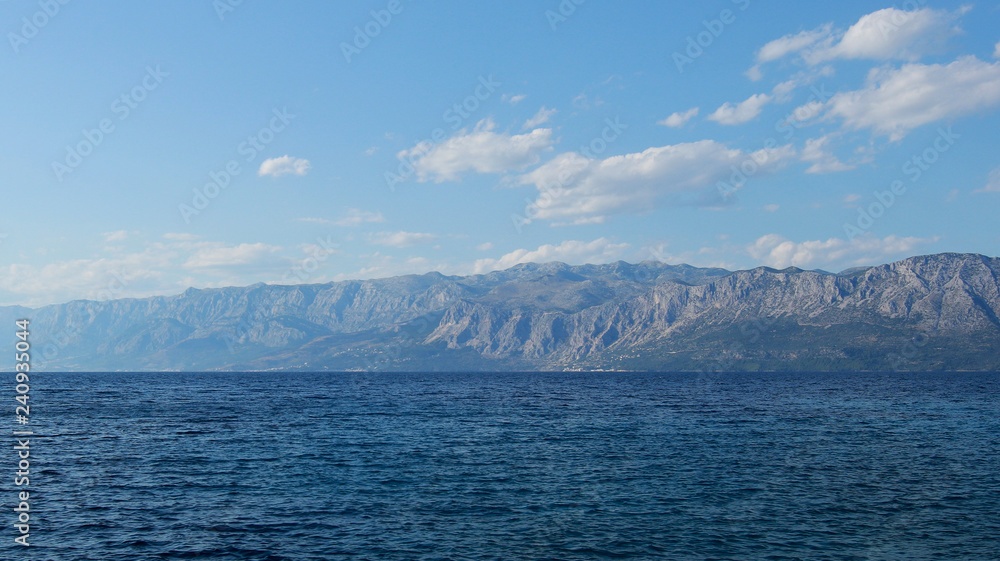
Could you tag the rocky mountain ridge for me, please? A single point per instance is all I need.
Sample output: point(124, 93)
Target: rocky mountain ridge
point(935, 312)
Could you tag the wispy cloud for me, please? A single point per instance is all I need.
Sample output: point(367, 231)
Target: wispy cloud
point(817, 152)
point(783, 91)
point(679, 119)
point(743, 112)
point(356, 217)
point(116, 236)
point(402, 239)
point(993, 184)
point(780, 48)
point(219, 255)
point(157, 268)
point(540, 118)
point(180, 236)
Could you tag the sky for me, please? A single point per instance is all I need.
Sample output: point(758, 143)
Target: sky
point(155, 146)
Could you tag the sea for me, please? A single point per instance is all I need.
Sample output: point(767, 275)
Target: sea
point(508, 466)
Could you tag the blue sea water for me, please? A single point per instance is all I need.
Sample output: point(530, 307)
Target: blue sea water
point(511, 466)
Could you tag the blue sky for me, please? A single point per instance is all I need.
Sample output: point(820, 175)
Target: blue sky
point(153, 146)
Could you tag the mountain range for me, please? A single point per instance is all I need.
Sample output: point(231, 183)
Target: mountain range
point(934, 312)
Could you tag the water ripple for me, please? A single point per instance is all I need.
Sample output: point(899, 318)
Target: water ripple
point(514, 466)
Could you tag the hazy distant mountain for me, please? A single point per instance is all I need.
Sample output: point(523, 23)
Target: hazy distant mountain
point(937, 312)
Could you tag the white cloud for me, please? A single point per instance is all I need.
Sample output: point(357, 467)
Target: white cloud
point(823, 161)
point(779, 48)
point(894, 102)
point(993, 184)
point(582, 221)
point(480, 150)
point(680, 119)
point(402, 239)
point(803, 114)
point(754, 73)
point(996, 50)
point(572, 252)
point(772, 208)
point(95, 279)
point(320, 252)
point(572, 186)
point(180, 236)
point(852, 198)
point(783, 91)
point(159, 268)
point(356, 217)
point(540, 118)
point(513, 99)
point(371, 150)
point(777, 251)
point(283, 166)
point(485, 246)
point(729, 114)
point(583, 101)
point(892, 33)
point(116, 236)
point(216, 255)
point(888, 34)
